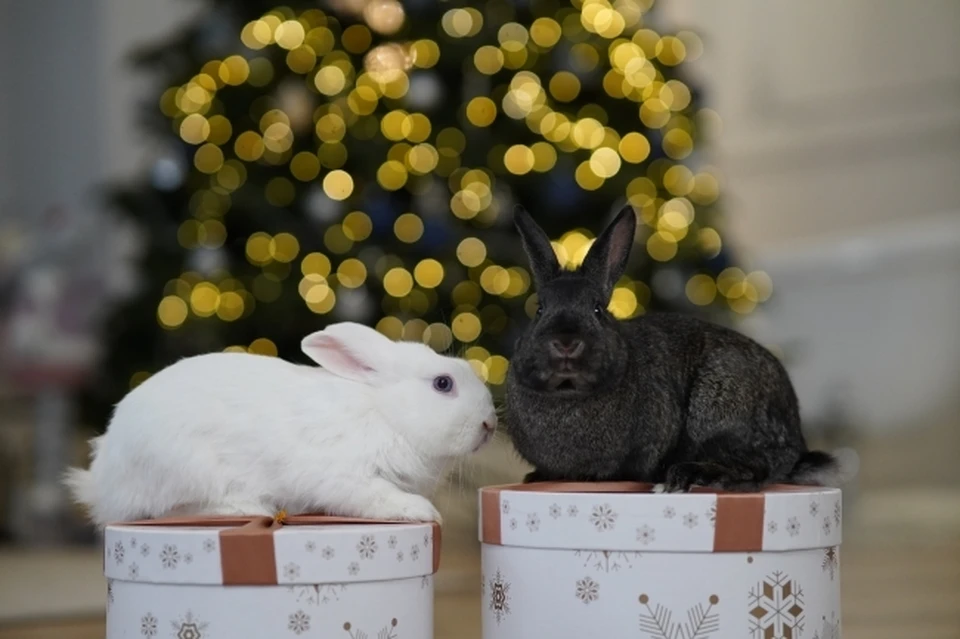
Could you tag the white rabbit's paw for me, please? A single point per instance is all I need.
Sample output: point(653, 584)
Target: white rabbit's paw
point(406, 507)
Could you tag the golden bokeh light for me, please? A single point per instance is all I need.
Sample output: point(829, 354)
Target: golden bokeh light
point(466, 327)
point(481, 111)
point(471, 252)
point(172, 312)
point(428, 273)
point(338, 185)
point(357, 226)
point(351, 273)
point(408, 228)
point(519, 159)
point(398, 282)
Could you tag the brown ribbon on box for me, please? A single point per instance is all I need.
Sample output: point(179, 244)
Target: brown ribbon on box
point(739, 524)
point(246, 545)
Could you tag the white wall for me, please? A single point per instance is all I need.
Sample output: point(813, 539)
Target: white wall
point(837, 115)
point(67, 109)
point(841, 153)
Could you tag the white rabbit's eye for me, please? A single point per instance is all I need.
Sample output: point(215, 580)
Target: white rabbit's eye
point(443, 383)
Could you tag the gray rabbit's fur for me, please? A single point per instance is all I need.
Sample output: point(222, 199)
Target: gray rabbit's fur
point(660, 398)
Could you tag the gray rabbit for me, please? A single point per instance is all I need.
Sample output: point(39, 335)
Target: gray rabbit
point(660, 398)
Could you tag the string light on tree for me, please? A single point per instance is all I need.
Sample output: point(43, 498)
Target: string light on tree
point(368, 153)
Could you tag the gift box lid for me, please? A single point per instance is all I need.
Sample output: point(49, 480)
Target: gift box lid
point(306, 549)
point(627, 516)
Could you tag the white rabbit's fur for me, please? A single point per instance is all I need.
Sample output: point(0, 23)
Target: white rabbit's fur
point(366, 435)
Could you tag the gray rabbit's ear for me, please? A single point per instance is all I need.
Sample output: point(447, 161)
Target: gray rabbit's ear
point(607, 258)
point(536, 244)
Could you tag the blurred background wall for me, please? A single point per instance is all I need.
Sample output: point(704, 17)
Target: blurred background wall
point(839, 152)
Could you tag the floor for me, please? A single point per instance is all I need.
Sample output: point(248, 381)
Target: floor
point(900, 560)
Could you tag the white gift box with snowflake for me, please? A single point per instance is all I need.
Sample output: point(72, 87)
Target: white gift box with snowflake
point(307, 576)
point(617, 560)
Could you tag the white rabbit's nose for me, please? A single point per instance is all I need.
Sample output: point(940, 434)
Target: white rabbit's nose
point(490, 423)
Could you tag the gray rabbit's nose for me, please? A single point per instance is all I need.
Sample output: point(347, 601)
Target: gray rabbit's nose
point(566, 348)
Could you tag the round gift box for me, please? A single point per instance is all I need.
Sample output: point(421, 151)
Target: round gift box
point(310, 576)
point(615, 559)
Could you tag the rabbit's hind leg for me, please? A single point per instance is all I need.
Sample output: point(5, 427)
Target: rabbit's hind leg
point(681, 477)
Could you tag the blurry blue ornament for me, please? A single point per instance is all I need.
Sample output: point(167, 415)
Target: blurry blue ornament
point(167, 174)
point(436, 235)
point(425, 92)
point(321, 208)
point(381, 208)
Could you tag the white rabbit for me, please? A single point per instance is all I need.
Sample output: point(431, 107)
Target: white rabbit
point(366, 435)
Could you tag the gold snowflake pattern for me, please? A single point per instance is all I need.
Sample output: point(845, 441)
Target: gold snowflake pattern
point(317, 594)
point(646, 535)
point(299, 622)
point(118, 552)
point(588, 590)
point(701, 621)
point(499, 597)
point(776, 608)
point(830, 629)
point(169, 557)
point(367, 547)
point(387, 632)
point(189, 627)
point(555, 511)
point(533, 522)
point(607, 560)
point(148, 625)
point(603, 517)
point(830, 562)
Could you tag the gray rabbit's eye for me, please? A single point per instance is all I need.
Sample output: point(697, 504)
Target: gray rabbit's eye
point(539, 310)
point(443, 383)
point(598, 309)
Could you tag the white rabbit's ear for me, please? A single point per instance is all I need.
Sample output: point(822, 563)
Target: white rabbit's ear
point(349, 350)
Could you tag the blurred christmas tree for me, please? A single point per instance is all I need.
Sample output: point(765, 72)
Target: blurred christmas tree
point(360, 160)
